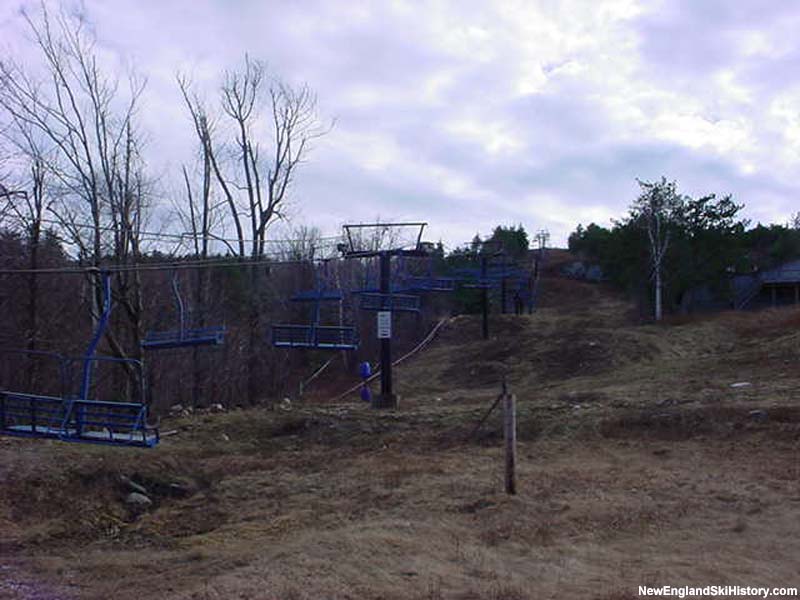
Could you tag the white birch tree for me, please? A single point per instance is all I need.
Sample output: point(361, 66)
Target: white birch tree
point(655, 209)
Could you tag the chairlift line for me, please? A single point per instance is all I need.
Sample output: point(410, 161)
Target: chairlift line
point(230, 262)
point(77, 418)
point(185, 234)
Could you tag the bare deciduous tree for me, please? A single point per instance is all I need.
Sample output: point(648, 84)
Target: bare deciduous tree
point(254, 175)
point(87, 126)
point(305, 243)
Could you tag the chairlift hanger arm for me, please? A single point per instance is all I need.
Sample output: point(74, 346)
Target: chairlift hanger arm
point(98, 334)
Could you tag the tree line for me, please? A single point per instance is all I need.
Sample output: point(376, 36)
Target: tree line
point(73, 169)
point(77, 191)
point(669, 244)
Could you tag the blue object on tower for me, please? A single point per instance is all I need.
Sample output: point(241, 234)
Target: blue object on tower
point(365, 370)
point(366, 393)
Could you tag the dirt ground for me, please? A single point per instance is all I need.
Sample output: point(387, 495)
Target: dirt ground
point(640, 463)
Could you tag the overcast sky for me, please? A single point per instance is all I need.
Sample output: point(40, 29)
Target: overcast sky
point(469, 114)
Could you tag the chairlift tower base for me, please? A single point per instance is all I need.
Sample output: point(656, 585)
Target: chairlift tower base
point(380, 401)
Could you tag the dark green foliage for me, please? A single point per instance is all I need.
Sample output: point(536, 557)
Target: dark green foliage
point(515, 245)
point(770, 246)
point(591, 241)
point(514, 240)
point(707, 243)
point(464, 300)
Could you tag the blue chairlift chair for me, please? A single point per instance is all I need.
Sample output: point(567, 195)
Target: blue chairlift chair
point(473, 279)
point(492, 277)
point(109, 422)
point(78, 418)
point(482, 283)
point(314, 335)
point(31, 414)
point(375, 301)
point(429, 282)
point(184, 336)
point(524, 290)
point(371, 284)
point(372, 299)
point(432, 284)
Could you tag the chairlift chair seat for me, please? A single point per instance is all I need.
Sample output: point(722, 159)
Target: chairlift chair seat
point(482, 283)
point(322, 337)
point(31, 415)
point(390, 302)
point(467, 271)
point(432, 284)
point(70, 420)
point(110, 423)
point(313, 335)
point(395, 289)
point(183, 336)
point(205, 336)
point(317, 296)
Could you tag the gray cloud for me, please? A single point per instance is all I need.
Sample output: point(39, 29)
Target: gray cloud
point(467, 115)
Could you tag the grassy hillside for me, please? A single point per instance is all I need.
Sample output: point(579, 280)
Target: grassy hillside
point(640, 463)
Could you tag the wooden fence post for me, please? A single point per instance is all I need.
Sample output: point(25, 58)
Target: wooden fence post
point(510, 422)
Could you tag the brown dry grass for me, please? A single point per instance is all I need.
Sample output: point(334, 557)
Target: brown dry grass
point(639, 464)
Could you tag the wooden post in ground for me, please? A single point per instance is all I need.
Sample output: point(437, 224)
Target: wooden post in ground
point(509, 433)
point(510, 422)
point(484, 299)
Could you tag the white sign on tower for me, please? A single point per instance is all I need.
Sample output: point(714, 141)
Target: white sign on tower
point(384, 324)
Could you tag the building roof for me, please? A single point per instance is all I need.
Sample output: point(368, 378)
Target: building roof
point(786, 273)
